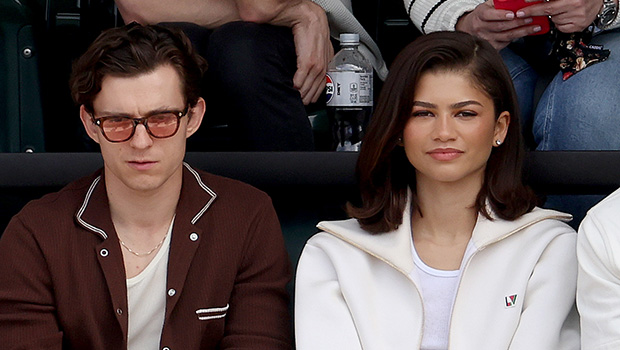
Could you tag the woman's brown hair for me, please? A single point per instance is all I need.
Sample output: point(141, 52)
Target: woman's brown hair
point(385, 174)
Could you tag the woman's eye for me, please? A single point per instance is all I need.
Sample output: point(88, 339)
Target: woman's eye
point(466, 114)
point(421, 114)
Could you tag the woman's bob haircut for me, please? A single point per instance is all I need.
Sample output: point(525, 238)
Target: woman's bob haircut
point(385, 174)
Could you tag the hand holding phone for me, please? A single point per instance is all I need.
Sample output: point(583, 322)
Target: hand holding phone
point(515, 5)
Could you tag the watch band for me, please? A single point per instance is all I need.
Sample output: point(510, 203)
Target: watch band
point(608, 15)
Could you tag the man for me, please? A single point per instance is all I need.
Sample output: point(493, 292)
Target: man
point(147, 253)
point(268, 59)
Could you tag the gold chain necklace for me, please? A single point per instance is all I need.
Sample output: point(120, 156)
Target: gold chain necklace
point(143, 254)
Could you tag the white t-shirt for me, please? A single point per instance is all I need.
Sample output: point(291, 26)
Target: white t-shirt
point(146, 298)
point(438, 288)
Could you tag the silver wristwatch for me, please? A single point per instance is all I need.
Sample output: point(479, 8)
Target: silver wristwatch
point(607, 15)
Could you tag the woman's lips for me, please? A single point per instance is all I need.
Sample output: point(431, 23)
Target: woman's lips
point(445, 154)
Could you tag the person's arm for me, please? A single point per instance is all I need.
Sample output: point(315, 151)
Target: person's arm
point(27, 309)
point(322, 317)
point(311, 34)
point(307, 20)
point(598, 286)
point(549, 319)
point(207, 13)
point(259, 316)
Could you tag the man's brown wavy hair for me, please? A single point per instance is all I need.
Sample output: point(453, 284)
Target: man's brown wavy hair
point(133, 50)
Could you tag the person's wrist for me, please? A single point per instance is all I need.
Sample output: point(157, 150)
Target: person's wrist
point(607, 14)
point(311, 13)
point(461, 23)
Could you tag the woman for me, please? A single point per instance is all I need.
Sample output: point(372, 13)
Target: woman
point(447, 249)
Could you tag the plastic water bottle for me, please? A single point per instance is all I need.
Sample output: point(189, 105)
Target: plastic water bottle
point(349, 94)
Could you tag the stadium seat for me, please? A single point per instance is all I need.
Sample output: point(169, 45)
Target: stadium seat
point(21, 111)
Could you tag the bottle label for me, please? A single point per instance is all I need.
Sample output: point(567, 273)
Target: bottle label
point(349, 89)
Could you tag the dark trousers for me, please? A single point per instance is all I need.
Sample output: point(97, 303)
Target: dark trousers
point(251, 102)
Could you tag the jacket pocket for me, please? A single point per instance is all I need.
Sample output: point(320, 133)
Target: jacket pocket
point(212, 313)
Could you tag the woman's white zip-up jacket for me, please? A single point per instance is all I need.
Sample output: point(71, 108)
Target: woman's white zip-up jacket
point(517, 291)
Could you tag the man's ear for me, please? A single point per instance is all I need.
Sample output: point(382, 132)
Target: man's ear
point(89, 126)
point(195, 116)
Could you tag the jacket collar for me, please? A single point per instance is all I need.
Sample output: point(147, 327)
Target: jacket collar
point(490, 231)
point(394, 247)
point(94, 213)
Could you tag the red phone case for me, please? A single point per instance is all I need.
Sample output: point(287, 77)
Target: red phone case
point(514, 5)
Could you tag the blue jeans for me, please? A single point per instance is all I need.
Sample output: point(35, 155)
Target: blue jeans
point(524, 78)
point(581, 113)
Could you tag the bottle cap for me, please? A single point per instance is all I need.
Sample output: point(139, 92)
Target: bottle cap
point(349, 38)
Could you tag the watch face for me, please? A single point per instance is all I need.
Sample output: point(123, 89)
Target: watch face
point(608, 17)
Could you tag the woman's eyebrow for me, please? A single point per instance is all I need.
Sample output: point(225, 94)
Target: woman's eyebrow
point(453, 106)
point(424, 104)
point(465, 103)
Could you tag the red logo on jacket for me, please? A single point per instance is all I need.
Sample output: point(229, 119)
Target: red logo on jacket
point(511, 300)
